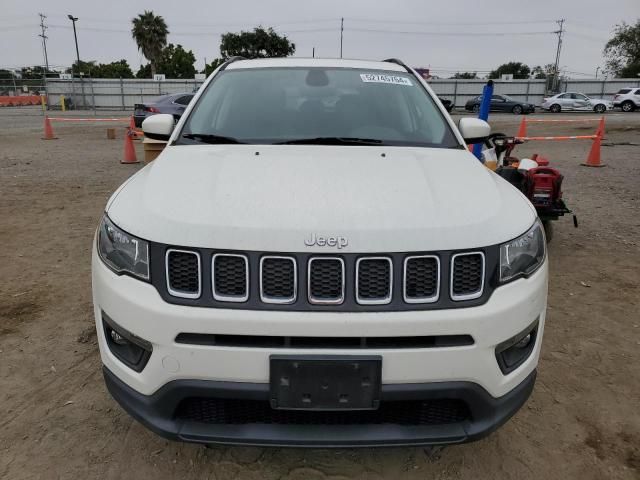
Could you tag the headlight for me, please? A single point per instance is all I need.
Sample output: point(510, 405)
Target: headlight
point(523, 255)
point(121, 252)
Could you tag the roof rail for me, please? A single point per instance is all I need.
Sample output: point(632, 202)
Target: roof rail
point(231, 60)
point(398, 62)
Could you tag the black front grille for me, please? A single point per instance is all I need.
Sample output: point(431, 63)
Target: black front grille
point(230, 276)
point(313, 343)
point(467, 273)
point(278, 280)
point(183, 274)
point(350, 282)
point(421, 278)
point(326, 280)
point(374, 279)
point(244, 412)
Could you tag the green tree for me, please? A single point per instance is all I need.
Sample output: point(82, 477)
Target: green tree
point(622, 51)
point(144, 71)
point(210, 67)
point(119, 69)
point(540, 73)
point(465, 75)
point(517, 69)
point(176, 62)
point(259, 43)
point(150, 33)
point(82, 67)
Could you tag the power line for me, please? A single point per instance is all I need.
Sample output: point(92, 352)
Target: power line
point(43, 28)
point(449, 24)
point(448, 34)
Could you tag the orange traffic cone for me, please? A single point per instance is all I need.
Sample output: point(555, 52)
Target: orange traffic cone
point(593, 159)
point(129, 149)
point(48, 130)
point(600, 130)
point(522, 131)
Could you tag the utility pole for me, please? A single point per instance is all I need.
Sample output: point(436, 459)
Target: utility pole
point(313, 52)
point(341, 32)
point(44, 40)
point(559, 32)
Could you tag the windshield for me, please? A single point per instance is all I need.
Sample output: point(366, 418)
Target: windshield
point(317, 105)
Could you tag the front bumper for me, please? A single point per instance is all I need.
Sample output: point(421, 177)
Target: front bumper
point(157, 412)
point(176, 371)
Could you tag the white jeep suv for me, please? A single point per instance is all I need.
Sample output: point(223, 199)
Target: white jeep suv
point(316, 259)
point(627, 99)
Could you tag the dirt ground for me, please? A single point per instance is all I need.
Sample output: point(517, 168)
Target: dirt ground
point(58, 421)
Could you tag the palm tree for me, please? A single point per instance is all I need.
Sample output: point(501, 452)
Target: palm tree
point(150, 33)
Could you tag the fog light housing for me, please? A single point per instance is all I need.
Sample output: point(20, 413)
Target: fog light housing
point(512, 353)
point(130, 349)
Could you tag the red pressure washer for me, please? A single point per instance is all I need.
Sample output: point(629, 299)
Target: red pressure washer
point(542, 184)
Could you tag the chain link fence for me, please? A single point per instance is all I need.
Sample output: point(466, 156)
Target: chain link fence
point(112, 94)
point(122, 94)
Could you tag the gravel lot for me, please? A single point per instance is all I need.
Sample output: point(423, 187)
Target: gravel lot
point(58, 421)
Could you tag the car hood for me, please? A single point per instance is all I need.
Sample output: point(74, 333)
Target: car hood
point(273, 198)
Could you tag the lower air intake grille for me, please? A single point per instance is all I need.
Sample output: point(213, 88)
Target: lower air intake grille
point(373, 280)
point(230, 277)
point(467, 271)
point(278, 279)
point(326, 280)
point(243, 412)
point(183, 273)
point(421, 277)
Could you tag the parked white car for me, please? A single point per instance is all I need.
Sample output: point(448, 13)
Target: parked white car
point(316, 259)
point(627, 99)
point(570, 101)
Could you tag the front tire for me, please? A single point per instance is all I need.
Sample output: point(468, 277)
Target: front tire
point(555, 108)
point(517, 110)
point(628, 106)
point(600, 108)
point(476, 108)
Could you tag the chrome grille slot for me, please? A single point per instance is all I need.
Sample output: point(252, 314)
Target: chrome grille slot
point(467, 275)
point(278, 279)
point(326, 280)
point(421, 279)
point(230, 277)
point(183, 273)
point(374, 280)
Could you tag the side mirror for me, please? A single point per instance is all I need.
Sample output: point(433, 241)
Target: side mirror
point(158, 127)
point(473, 130)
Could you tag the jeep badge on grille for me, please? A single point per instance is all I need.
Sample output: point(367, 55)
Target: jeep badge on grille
point(326, 241)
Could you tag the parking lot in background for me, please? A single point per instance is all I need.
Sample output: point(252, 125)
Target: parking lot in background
point(58, 421)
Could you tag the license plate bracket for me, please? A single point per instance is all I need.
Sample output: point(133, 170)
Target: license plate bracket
point(325, 382)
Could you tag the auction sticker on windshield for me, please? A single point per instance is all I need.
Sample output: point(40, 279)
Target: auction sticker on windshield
point(381, 78)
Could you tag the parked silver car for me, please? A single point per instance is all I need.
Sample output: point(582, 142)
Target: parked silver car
point(576, 101)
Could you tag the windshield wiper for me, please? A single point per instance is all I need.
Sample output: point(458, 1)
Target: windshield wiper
point(332, 141)
point(210, 138)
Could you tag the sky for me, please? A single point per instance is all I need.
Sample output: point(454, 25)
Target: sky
point(444, 35)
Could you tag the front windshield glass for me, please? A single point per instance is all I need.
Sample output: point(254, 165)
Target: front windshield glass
point(300, 105)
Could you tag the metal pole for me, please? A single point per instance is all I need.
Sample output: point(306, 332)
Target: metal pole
point(93, 97)
point(313, 52)
point(341, 34)
point(455, 92)
point(528, 87)
point(122, 93)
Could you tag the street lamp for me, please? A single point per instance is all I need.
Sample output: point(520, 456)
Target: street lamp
point(75, 36)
